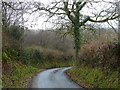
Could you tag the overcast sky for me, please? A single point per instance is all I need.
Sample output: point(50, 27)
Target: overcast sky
point(40, 24)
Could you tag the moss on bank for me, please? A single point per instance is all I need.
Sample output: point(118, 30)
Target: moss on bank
point(15, 73)
point(19, 77)
point(93, 77)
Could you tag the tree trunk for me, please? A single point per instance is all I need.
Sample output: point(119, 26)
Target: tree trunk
point(77, 41)
point(77, 34)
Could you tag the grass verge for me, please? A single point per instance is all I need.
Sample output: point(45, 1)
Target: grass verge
point(19, 77)
point(93, 77)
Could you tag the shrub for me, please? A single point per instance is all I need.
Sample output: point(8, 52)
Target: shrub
point(101, 54)
point(37, 56)
point(15, 32)
point(32, 56)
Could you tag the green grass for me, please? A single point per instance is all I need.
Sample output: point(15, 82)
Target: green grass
point(19, 77)
point(52, 64)
point(15, 73)
point(94, 77)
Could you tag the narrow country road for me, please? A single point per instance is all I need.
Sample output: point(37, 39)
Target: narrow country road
point(53, 78)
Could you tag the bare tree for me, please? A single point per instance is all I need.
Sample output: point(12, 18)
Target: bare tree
point(48, 39)
point(71, 12)
point(13, 13)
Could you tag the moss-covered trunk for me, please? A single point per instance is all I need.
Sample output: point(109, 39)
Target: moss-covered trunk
point(77, 43)
point(77, 38)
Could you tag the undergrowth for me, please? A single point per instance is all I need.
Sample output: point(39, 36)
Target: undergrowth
point(94, 77)
point(15, 73)
point(20, 66)
point(19, 77)
point(47, 58)
point(98, 65)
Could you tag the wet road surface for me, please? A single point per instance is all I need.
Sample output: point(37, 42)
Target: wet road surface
point(53, 78)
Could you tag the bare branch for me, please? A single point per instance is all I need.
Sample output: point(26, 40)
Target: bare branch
point(104, 20)
point(68, 12)
point(81, 5)
point(84, 21)
point(11, 6)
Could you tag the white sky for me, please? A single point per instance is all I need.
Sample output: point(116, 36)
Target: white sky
point(40, 24)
